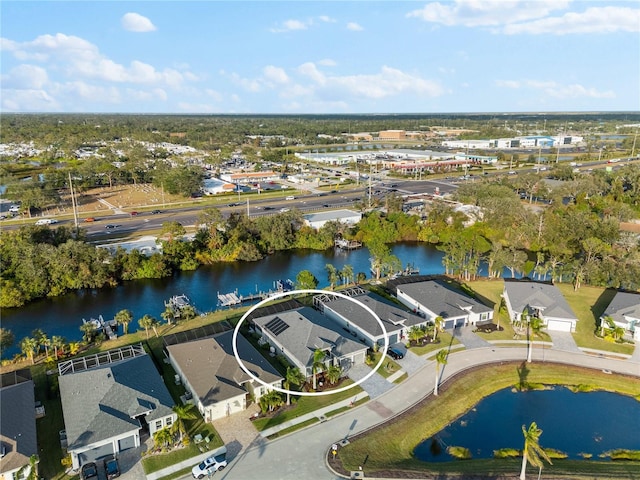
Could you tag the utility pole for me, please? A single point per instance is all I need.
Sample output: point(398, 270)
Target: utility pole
point(73, 203)
point(633, 148)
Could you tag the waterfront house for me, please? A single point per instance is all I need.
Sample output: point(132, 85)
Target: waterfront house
point(624, 310)
point(434, 298)
point(110, 400)
point(18, 441)
point(298, 333)
point(542, 300)
point(359, 323)
point(317, 220)
point(211, 373)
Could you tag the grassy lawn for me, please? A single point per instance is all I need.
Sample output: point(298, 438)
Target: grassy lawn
point(388, 367)
point(390, 448)
point(306, 404)
point(446, 340)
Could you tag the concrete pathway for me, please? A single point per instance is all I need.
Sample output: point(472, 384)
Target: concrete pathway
point(302, 454)
point(469, 339)
point(375, 385)
point(115, 209)
point(635, 357)
point(411, 362)
point(563, 341)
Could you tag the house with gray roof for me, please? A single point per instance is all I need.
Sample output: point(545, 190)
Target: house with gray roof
point(624, 310)
point(358, 322)
point(108, 400)
point(18, 441)
point(433, 299)
point(317, 220)
point(298, 333)
point(542, 300)
point(210, 371)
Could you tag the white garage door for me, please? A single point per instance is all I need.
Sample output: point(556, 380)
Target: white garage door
point(559, 325)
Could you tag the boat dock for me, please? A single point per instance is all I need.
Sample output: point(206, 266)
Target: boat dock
point(343, 244)
point(234, 298)
point(109, 328)
point(177, 303)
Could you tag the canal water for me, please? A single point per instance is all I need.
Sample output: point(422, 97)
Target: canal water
point(574, 423)
point(63, 315)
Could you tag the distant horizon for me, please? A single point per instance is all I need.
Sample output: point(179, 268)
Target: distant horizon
point(270, 57)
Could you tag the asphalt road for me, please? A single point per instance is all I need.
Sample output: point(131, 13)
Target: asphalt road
point(302, 454)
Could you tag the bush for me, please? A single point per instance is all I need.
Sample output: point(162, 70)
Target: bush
point(623, 454)
point(555, 454)
point(460, 453)
point(507, 453)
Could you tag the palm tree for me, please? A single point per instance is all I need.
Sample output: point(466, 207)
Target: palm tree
point(28, 346)
point(42, 339)
point(347, 273)
point(184, 412)
point(162, 438)
point(441, 359)
point(148, 322)
point(334, 372)
point(293, 376)
point(124, 317)
point(88, 331)
point(188, 312)
point(415, 333)
point(437, 326)
point(74, 347)
point(57, 342)
point(532, 450)
point(168, 315)
point(6, 338)
point(318, 364)
point(332, 275)
point(270, 401)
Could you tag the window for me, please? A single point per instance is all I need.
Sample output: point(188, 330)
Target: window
point(158, 424)
point(169, 421)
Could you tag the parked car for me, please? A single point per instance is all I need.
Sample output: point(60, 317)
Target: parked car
point(395, 353)
point(210, 465)
point(89, 470)
point(112, 468)
point(46, 221)
point(14, 209)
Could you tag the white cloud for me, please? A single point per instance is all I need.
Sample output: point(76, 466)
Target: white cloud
point(327, 62)
point(557, 90)
point(325, 18)
point(275, 74)
point(483, 13)
point(354, 27)
point(592, 20)
point(25, 77)
point(134, 22)
point(291, 25)
point(28, 100)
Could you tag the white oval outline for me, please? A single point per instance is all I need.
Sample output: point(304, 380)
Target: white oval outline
point(309, 394)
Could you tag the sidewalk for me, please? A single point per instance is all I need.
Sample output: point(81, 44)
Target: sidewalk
point(319, 414)
point(190, 462)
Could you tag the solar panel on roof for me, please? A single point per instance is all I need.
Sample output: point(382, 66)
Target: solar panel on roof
point(276, 326)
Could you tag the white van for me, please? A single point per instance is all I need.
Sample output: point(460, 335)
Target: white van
point(14, 208)
point(46, 221)
point(290, 197)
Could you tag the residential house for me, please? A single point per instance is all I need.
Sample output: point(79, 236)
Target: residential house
point(210, 371)
point(18, 441)
point(542, 300)
point(298, 333)
point(359, 323)
point(109, 400)
point(317, 220)
point(434, 298)
point(624, 310)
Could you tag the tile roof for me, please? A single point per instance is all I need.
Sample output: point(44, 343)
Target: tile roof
point(17, 425)
point(213, 371)
point(442, 300)
point(538, 295)
point(392, 316)
point(100, 403)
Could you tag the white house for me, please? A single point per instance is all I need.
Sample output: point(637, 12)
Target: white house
point(540, 299)
point(435, 299)
point(624, 310)
point(317, 220)
point(210, 372)
point(108, 398)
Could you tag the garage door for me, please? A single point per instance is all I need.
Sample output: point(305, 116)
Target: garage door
point(393, 338)
point(127, 443)
point(95, 453)
point(559, 326)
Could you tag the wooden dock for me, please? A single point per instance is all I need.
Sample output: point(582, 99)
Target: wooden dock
point(343, 244)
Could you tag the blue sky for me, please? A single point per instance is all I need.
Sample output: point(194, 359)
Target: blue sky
point(319, 57)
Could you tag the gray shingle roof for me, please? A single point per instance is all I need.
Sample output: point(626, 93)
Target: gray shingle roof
point(212, 370)
point(392, 316)
point(546, 297)
point(17, 425)
point(99, 403)
point(309, 330)
point(623, 306)
point(442, 300)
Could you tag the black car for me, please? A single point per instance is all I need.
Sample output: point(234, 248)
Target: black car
point(155, 212)
point(89, 470)
point(112, 468)
point(395, 353)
